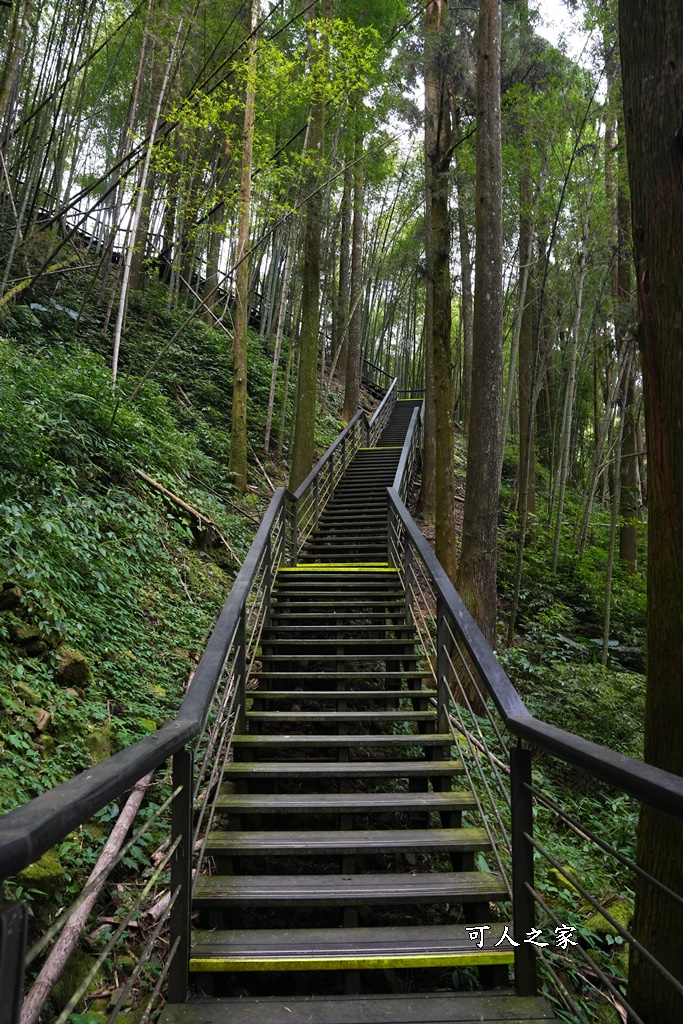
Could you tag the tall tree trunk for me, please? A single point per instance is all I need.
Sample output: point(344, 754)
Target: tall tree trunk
point(16, 45)
point(123, 299)
point(353, 375)
point(428, 488)
point(306, 392)
point(439, 148)
point(238, 433)
point(651, 38)
point(527, 455)
point(343, 294)
point(289, 259)
point(567, 419)
point(466, 299)
point(478, 561)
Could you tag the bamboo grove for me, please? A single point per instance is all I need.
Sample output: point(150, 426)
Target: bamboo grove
point(433, 188)
point(266, 165)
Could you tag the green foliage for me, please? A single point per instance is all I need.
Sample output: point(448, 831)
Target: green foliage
point(103, 564)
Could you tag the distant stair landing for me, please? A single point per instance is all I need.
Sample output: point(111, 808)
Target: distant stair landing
point(349, 884)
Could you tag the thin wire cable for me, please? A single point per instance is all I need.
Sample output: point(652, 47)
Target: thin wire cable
point(503, 829)
point(502, 786)
point(482, 697)
point(143, 959)
point(625, 934)
point(83, 987)
point(485, 823)
point(633, 1016)
point(56, 928)
point(583, 832)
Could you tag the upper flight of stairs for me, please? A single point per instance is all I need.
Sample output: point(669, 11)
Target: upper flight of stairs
point(346, 869)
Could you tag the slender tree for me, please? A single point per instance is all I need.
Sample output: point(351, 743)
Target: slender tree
point(478, 562)
point(238, 435)
point(438, 151)
point(651, 38)
point(304, 413)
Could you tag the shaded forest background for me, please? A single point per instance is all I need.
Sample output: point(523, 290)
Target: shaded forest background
point(213, 218)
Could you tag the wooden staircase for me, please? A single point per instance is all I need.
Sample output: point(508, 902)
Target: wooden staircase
point(346, 872)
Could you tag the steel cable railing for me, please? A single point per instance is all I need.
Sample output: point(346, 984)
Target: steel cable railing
point(483, 709)
point(198, 741)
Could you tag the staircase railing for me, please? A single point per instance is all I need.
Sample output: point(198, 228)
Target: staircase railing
point(382, 414)
point(196, 743)
point(376, 375)
point(490, 724)
point(407, 466)
point(313, 494)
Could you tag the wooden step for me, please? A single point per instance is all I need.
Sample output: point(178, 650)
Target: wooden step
point(375, 674)
point(334, 842)
point(346, 890)
point(335, 695)
point(431, 1008)
point(365, 655)
point(413, 769)
point(332, 717)
point(335, 948)
point(344, 803)
point(293, 740)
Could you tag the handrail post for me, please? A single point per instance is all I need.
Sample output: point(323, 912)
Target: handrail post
point(523, 904)
point(13, 928)
point(268, 583)
point(240, 670)
point(331, 465)
point(343, 448)
point(293, 538)
point(181, 874)
point(442, 666)
point(316, 500)
point(408, 575)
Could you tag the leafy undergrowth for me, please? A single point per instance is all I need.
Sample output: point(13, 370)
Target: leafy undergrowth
point(109, 590)
point(108, 586)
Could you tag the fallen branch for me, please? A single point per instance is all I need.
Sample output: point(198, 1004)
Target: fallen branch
point(227, 501)
point(66, 943)
point(263, 470)
point(203, 520)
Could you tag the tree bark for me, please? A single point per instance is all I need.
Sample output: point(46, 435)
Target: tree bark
point(238, 433)
point(352, 390)
point(439, 148)
point(478, 559)
point(306, 392)
point(651, 37)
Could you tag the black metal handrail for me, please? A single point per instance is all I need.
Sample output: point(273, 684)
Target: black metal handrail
point(653, 786)
point(378, 369)
point(478, 704)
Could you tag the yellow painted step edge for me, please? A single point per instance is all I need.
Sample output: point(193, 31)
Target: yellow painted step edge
point(349, 962)
point(382, 448)
point(338, 567)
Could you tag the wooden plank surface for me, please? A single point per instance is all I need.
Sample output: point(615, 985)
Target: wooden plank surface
point(352, 948)
point(274, 803)
point(443, 739)
point(415, 768)
point(348, 890)
point(463, 840)
point(450, 1008)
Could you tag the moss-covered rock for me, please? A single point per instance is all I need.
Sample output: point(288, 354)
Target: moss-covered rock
point(25, 693)
point(560, 879)
point(77, 968)
point(10, 596)
point(100, 742)
point(29, 638)
point(72, 667)
point(46, 875)
point(599, 925)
